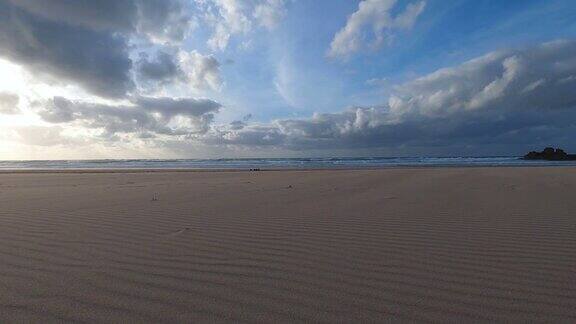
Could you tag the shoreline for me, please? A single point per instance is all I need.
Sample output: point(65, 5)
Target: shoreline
point(197, 170)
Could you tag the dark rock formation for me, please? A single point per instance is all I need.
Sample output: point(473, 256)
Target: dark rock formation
point(550, 154)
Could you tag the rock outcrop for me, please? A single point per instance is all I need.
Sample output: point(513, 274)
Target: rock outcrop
point(550, 154)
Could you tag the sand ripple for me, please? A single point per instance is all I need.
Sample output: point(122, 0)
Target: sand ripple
point(425, 245)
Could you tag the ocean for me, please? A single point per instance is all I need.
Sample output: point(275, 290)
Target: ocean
point(276, 163)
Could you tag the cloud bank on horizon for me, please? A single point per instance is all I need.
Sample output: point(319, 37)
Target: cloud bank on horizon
point(210, 78)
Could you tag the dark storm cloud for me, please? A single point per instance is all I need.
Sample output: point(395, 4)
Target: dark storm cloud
point(146, 116)
point(162, 68)
point(163, 19)
point(114, 15)
point(237, 124)
point(84, 42)
point(517, 97)
point(96, 60)
point(191, 68)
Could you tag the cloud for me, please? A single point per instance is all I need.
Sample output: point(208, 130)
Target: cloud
point(103, 15)
point(254, 135)
point(376, 15)
point(86, 43)
point(163, 68)
point(201, 71)
point(161, 20)
point(238, 17)
point(269, 13)
point(9, 103)
point(505, 101)
point(377, 82)
point(145, 117)
point(44, 136)
point(171, 107)
point(96, 60)
point(237, 124)
point(511, 97)
point(165, 21)
point(228, 20)
point(511, 80)
point(191, 68)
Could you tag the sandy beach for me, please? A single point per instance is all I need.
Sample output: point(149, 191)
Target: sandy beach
point(396, 245)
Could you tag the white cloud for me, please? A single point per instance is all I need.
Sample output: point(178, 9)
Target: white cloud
point(239, 17)
point(231, 20)
point(377, 82)
point(376, 15)
point(190, 69)
point(484, 100)
point(145, 117)
point(201, 71)
point(532, 86)
point(269, 13)
point(285, 83)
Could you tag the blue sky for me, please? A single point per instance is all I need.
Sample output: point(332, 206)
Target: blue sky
point(447, 33)
point(210, 78)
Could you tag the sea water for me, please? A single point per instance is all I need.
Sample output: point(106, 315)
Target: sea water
point(276, 163)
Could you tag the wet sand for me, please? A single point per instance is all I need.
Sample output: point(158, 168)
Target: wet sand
point(408, 245)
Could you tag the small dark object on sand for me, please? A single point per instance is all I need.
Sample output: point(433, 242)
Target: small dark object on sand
point(255, 169)
point(289, 187)
point(550, 154)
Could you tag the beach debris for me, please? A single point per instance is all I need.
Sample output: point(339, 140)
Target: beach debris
point(155, 197)
point(289, 187)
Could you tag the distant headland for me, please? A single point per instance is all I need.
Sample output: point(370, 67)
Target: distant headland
point(550, 154)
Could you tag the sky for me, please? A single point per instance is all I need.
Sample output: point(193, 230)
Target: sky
point(117, 79)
